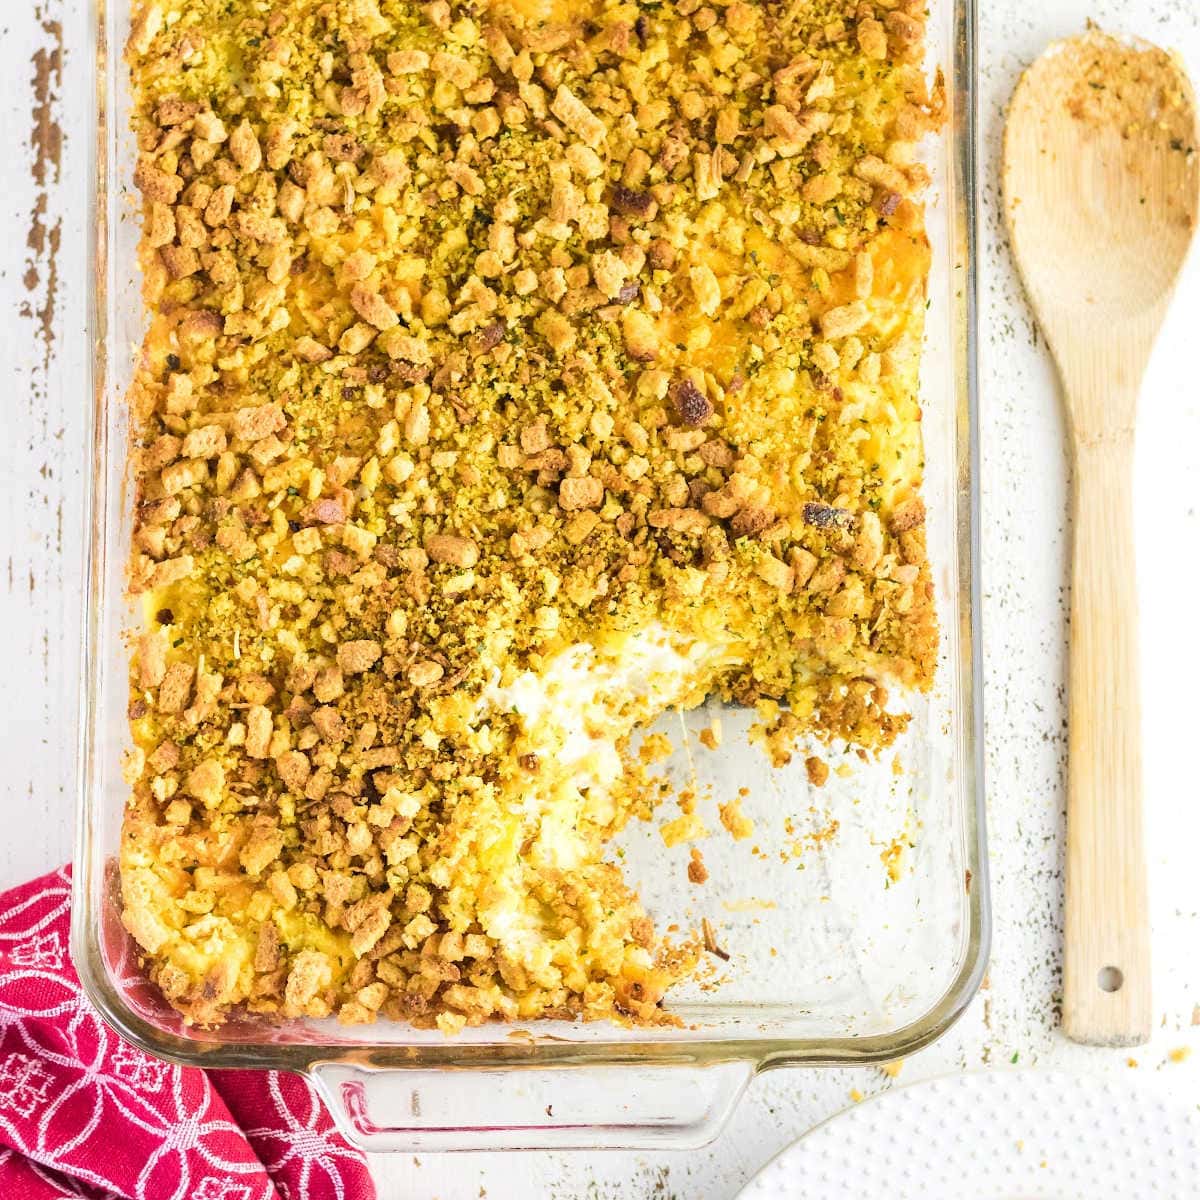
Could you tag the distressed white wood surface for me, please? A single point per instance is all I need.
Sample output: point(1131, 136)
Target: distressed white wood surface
point(43, 286)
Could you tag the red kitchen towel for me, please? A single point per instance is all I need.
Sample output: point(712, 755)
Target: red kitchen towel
point(85, 1114)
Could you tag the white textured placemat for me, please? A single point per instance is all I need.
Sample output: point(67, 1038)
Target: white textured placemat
point(1003, 1135)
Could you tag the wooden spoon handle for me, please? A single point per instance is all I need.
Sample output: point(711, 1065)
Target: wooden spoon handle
point(1106, 972)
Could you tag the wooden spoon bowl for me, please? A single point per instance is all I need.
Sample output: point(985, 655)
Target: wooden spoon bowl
point(1101, 191)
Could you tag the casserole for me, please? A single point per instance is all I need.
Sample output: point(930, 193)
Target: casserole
point(855, 933)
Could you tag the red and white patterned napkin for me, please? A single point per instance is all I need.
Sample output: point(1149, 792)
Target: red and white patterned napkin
point(85, 1114)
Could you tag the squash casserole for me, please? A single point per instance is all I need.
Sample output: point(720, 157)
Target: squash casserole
point(515, 371)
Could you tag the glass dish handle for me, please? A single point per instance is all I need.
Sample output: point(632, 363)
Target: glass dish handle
point(386, 1109)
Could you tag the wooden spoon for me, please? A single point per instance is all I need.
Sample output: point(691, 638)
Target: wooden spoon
point(1101, 189)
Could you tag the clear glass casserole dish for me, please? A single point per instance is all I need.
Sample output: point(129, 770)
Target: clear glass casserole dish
point(833, 958)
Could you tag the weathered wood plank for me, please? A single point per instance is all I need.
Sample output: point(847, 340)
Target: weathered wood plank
point(42, 272)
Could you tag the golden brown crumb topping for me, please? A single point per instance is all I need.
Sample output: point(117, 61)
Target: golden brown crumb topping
point(490, 341)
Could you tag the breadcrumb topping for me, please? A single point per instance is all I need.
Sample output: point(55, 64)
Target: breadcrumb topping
point(515, 370)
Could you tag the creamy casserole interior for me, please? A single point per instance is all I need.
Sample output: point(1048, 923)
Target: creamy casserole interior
point(515, 371)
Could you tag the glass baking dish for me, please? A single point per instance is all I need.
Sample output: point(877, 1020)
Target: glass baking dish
point(830, 961)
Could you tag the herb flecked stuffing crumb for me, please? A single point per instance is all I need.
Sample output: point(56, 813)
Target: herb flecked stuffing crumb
point(494, 347)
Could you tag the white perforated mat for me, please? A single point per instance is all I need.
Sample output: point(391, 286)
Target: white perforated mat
point(1003, 1135)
